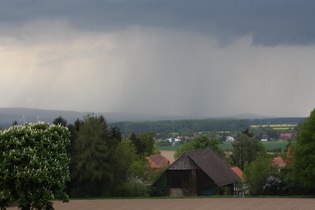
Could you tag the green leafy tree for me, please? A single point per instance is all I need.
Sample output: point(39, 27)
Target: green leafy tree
point(184, 148)
point(256, 174)
point(91, 166)
point(272, 133)
point(186, 132)
point(74, 129)
point(148, 143)
point(34, 165)
point(246, 149)
point(260, 131)
point(144, 143)
point(127, 166)
point(102, 162)
point(164, 143)
point(137, 142)
point(60, 121)
point(206, 142)
point(123, 158)
point(303, 155)
point(115, 137)
point(199, 143)
point(165, 135)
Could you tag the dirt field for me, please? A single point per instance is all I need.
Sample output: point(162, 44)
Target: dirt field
point(189, 203)
point(169, 155)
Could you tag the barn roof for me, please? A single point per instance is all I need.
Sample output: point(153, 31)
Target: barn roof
point(209, 162)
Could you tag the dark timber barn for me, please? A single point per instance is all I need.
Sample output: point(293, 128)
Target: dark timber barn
point(198, 172)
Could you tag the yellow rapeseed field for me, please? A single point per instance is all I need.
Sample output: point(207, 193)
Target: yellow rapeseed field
point(276, 126)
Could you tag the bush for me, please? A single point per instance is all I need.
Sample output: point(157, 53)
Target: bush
point(134, 187)
point(273, 186)
point(159, 188)
point(256, 173)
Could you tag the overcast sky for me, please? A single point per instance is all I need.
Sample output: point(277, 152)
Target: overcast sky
point(166, 57)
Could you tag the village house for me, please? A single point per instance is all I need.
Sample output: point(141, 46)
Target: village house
point(230, 138)
point(264, 138)
point(238, 172)
point(239, 189)
point(286, 136)
point(279, 162)
point(157, 161)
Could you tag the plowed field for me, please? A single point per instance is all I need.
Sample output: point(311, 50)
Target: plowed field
point(189, 203)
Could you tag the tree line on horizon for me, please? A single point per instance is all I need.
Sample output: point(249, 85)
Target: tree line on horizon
point(200, 125)
point(180, 125)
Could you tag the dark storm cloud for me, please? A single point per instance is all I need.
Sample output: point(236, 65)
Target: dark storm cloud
point(269, 22)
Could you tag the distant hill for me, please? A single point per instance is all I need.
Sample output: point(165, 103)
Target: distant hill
point(249, 116)
point(9, 115)
point(21, 115)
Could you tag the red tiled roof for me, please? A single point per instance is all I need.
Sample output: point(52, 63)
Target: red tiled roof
point(286, 135)
point(279, 161)
point(238, 172)
point(157, 161)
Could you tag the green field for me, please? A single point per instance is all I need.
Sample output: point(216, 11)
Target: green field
point(228, 146)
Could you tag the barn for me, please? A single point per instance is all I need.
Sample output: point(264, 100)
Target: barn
point(197, 172)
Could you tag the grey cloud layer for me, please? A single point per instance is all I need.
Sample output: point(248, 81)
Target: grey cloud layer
point(269, 22)
point(201, 58)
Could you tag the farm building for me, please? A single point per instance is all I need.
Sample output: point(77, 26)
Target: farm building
point(197, 172)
